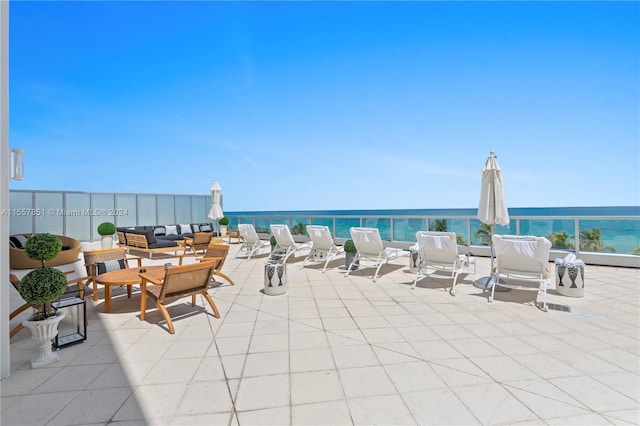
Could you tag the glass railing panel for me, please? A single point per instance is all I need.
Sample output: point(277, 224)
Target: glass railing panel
point(262, 224)
point(147, 210)
point(343, 224)
point(20, 209)
point(382, 223)
point(183, 209)
point(166, 210)
point(561, 235)
point(607, 236)
point(125, 211)
point(102, 203)
point(78, 226)
point(459, 226)
point(52, 220)
point(279, 220)
point(324, 221)
point(299, 225)
point(199, 209)
point(404, 229)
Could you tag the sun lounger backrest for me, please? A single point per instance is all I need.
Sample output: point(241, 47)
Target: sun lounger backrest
point(283, 236)
point(321, 237)
point(367, 240)
point(438, 247)
point(248, 232)
point(519, 254)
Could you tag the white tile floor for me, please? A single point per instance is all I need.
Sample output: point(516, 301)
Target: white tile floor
point(344, 350)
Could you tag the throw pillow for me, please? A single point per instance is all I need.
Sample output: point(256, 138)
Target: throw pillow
point(205, 228)
point(159, 230)
point(185, 229)
point(196, 228)
point(110, 265)
point(171, 229)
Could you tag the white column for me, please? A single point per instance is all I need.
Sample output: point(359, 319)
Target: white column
point(5, 361)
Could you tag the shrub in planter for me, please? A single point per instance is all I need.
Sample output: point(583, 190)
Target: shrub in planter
point(223, 221)
point(43, 285)
point(106, 228)
point(349, 254)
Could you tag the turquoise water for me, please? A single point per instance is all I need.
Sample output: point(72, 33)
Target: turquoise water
point(619, 234)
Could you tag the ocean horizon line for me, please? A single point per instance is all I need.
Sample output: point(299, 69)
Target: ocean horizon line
point(513, 211)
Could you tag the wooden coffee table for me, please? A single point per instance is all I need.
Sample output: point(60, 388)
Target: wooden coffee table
point(126, 277)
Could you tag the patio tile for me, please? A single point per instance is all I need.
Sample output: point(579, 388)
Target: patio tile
point(279, 416)
point(492, 404)
point(265, 363)
point(413, 376)
point(317, 386)
point(172, 371)
point(330, 413)
point(387, 410)
point(93, 406)
point(35, 409)
point(366, 381)
point(438, 407)
point(269, 343)
point(205, 397)
point(229, 345)
point(311, 360)
point(263, 392)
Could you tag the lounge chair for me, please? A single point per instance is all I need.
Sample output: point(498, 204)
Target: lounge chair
point(251, 242)
point(521, 258)
point(369, 249)
point(178, 281)
point(323, 248)
point(285, 244)
point(198, 243)
point(438, 251)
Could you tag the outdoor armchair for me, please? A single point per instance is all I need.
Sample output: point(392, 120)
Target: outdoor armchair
point(100, 261)
point(178, 282)
point(217, 253)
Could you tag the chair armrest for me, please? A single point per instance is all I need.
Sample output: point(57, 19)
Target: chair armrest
point(156, 281)
point(139, 259)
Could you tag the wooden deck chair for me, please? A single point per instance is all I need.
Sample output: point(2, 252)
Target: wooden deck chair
point(438, 251)
point(251, 242)
point(178, 281)
point(323, 248)
point(369, 249)
point(217, 253)
point(286, 246)
point(521, 257)
point(110, 259)
point(198, 243)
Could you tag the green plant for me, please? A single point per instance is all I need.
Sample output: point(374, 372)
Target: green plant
point(299, 229)
point(45, 284)
point(560, 240)
point(592, 241)
point(439, 225)
point(349, 247)
point(106, 228)
point(223, 221)
point(484, 234)
point(272, 241)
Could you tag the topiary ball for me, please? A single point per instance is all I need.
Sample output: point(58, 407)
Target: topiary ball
point(223, 221)
point(106, 228)
point(350, 247)
point(42, 247)
point(43, 285)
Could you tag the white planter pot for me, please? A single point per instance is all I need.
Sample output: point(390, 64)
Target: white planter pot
point(107, 242)
point(42, 333)
point(223, 230)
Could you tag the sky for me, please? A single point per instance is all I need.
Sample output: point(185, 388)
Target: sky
point(329, 105)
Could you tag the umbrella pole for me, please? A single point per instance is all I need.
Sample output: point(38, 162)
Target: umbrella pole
point(485, 283)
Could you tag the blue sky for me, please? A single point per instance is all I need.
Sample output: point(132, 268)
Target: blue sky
point(329, 105)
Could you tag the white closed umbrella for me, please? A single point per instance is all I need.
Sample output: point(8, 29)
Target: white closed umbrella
point(493, 206)
point(216, 198)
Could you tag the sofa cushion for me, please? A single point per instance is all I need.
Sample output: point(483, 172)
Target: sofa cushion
point(159, 230)
point(205, 227)
point(151, 238)
point(163, 243)
point(171, 230)
point(195, 227)
point(110, 265)
point(185, 229)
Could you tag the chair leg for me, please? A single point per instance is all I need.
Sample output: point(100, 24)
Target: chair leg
point(16, 330)
point(208, 298)
point(455, 280)
point(95, 290)
point(375, 276)
point(193, 300)
point(166, 316)
point(220, 274)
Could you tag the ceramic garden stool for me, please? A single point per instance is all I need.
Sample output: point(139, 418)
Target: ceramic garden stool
point(570, 280)
point(275, 279)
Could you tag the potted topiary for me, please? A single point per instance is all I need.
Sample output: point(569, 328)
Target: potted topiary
point(350, 254)
point(106, 230)
point(224, 223)
point(42, 286)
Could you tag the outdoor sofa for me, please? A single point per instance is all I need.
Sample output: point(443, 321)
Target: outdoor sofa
point(159, 237)
point(18, 259)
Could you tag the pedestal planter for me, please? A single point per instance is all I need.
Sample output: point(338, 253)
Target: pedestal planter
point(348, 259)
point(106, 242)
point(275, 279)
point(42, 332)
point(223, 230)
